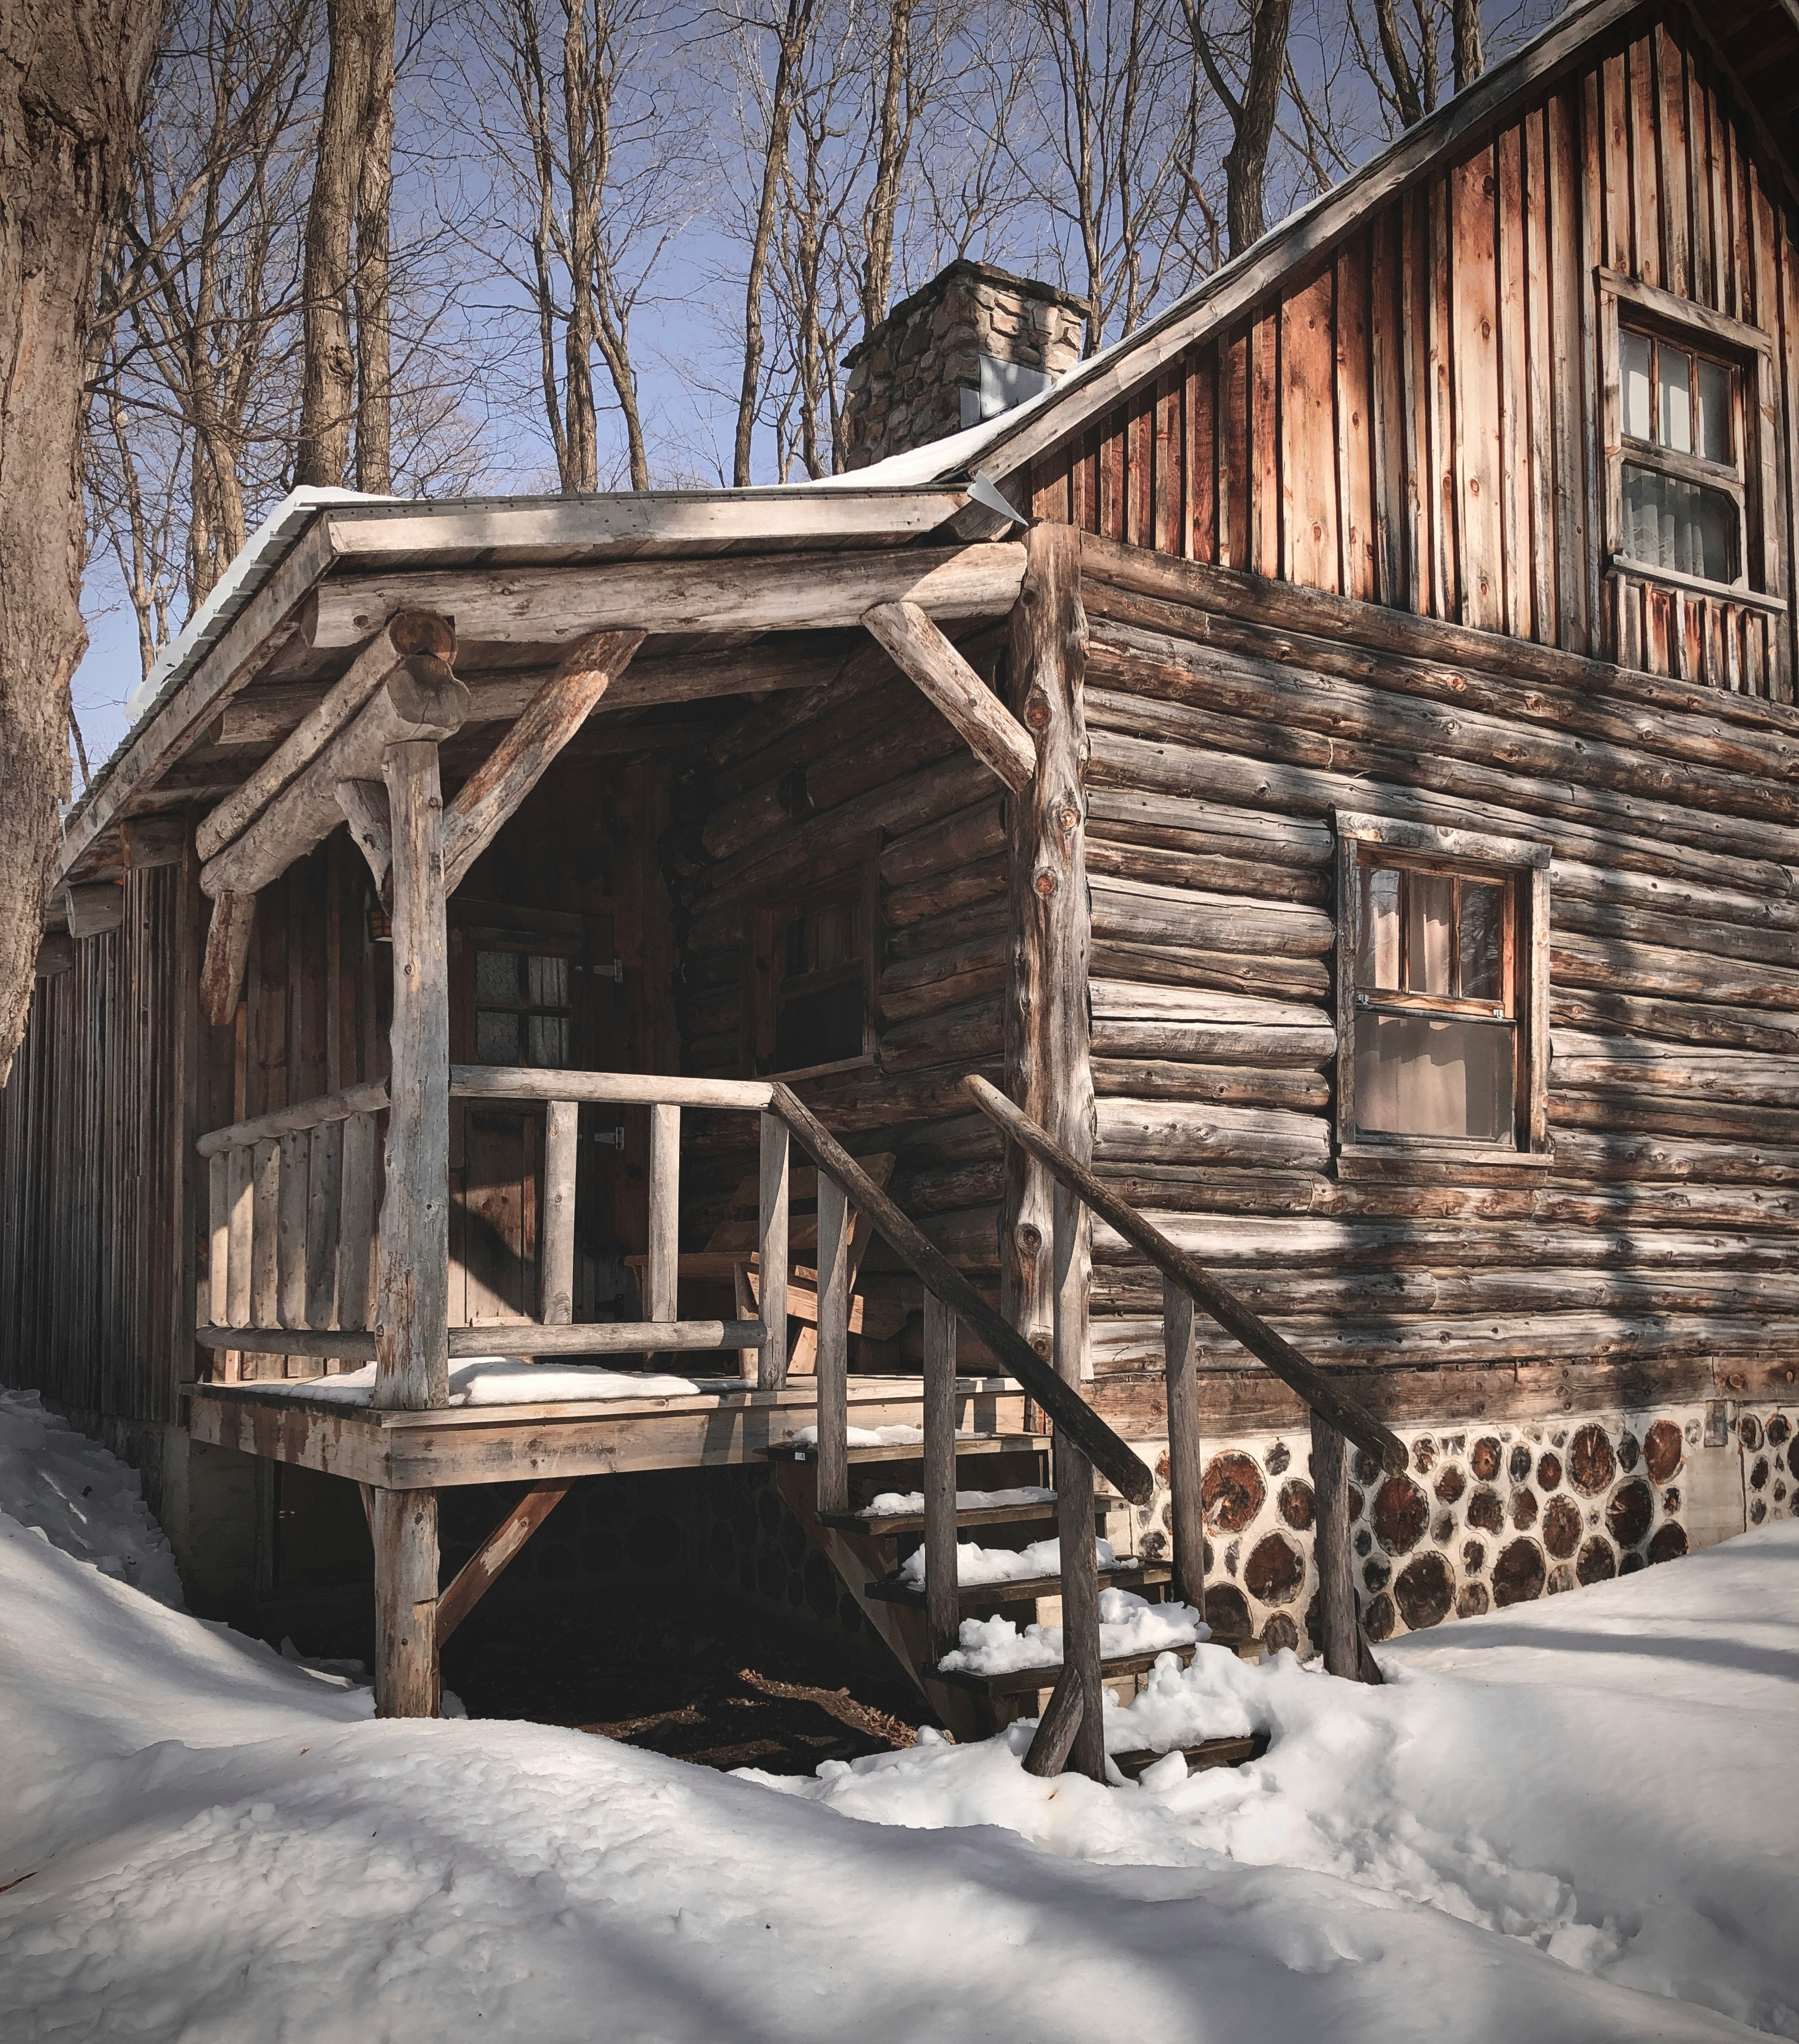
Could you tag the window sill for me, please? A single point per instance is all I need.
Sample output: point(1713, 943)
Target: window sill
point(1437, 1162)
point(1719, 592)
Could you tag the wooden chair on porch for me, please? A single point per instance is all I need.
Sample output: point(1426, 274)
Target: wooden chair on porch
point(730, 1257)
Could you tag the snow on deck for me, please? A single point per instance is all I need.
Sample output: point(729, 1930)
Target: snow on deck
point(502, 1380)
point(1573, 1820)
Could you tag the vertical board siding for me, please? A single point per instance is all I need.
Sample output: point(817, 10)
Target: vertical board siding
point(1418, 422)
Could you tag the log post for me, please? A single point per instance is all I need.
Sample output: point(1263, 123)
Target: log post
point(402, 1527)
point(942, 1601)
point(1186, 1509)
point(771, 1363)
point(413, 1269)
point(661, 1270)
point(1048, 1068)
point(562, 1157)
point(1345, 1651)
point(833, 1345)
point(1074, 1498)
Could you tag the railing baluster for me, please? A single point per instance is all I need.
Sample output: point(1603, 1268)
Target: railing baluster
point(942, 1602)
point(265, 1237)
point(324, 1192)
point(661, 1273)
point(1074, 1490)
point(291, 1196)
point(1342, 1642)
point(355, 1234)
point(1186, 1507)
point(562, 1155)
point(833, 1347)
point(771, 1365)
point(243, 1197)
point(218, 1237)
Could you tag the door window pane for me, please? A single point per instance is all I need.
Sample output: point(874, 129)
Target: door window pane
point(497, 1037)
point(1677, 398)
point(1379, 965)
point(1430, 932)
point(549, 1036)
point(1633, 365)
point(1482, 940)
point(1418, 1076)
point(497, 976)
point(547, 981)
point(1715, 422)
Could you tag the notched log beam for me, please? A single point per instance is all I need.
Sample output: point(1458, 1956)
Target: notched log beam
point(227, 951)
point(364, 803)
point(927, 658)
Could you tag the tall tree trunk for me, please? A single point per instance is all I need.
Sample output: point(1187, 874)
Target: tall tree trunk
point(1252, 115)
point(1464, 29)
point(374, 359)
point(896, 134)
point(72, 77)
point(356, 112)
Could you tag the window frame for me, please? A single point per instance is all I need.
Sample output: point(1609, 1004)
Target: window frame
point(1745, 350)
point(1523, 865)
point(860, 885)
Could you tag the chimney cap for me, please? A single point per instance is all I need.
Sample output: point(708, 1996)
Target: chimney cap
point(963, 269)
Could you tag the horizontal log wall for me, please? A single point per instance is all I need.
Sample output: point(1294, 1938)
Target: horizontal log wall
point(1662, 1236)
point(93, 1311)
point(807, 790)
point(1417, 420)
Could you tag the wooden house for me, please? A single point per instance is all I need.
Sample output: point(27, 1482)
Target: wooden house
point(1349, 802)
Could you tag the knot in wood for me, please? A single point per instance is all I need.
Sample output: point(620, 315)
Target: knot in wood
point(1030, 1238)
point(1037, 713)
point(1045, 883)
point(1067, 817)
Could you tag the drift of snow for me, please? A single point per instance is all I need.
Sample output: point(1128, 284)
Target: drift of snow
point(1572, 1820)
point(1128, 1624)
point(899, 1436)
point(499, 1379)
point(1003, 1565)
point(892, 1503)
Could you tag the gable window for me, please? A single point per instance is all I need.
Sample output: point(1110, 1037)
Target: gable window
point(815, 1005)
point(1680, 476)
point(1443, 1040)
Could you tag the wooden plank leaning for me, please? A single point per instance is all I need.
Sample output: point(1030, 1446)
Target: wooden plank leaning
point(1237, 1319)
point(1110, 1455)
point(482, 1571)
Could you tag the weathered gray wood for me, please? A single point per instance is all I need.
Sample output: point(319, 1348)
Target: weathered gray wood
point(772, 1228)
point(368, 1098)
point(784, 593)
point(662, 1268)
point(364, 803)
point(1045, 1009)
point(421, 701)
point(1074, 1491)
point(921, 653)
point(834, 1226)
point(356, 1239)
point(612, 1088)
point(218, 1240)
point(519, 762)
point(228, 949)
point(482, 1569)
point(324, 1204)
point(1218, 1300)
point(943, 1605)
point(265, 1241)
point(404, 634)
point(402, 1527)
point(242, 1204)
point(293, 1193)
point(603, 1338)
point(1066, 1408)
point(1187, 1514)
point(412, 1281)
point(1344, 1653)
point(562, 1159)
point(337, 1345)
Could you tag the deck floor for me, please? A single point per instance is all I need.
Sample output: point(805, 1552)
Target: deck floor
point(713, 1427)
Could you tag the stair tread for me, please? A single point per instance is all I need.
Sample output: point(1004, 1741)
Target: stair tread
point(1127, 1572)
point(1019, 1681)
point(912, 1451)
point(1233, 1752)
point(1041, 1513)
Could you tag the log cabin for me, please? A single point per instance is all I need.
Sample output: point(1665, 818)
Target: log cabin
point(1239, 915)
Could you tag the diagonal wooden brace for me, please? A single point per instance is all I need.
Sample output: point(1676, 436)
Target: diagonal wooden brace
point(482, 1569)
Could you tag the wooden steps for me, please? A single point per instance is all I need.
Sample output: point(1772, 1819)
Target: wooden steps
point(1026, 1681)
point(979, 1599)
point(1209, 1753)
point(912, 1451)
point(899, 1525)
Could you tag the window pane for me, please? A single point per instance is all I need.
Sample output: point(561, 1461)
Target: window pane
point(1676, 366)
point(1378, 964)
point(1482, 940)
point(1671, 523)
point(547, 981)
point(1418, 1077)
point(497, 976)
point(1633, 364)
point(549, 1038)
point(1714, 411)
point(497, 1036)
point(1431, 921)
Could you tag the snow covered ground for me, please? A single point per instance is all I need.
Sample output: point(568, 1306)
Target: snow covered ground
point(1571, 1821)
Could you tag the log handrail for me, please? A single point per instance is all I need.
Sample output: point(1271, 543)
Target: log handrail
point(1243, 1322)
point(1110, 1454)
point(295, 1120)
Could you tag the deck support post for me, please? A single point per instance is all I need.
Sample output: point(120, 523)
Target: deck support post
point(1048, 1066)
point(403, 1526)
point(1186, 1509)
point(1345, 1652)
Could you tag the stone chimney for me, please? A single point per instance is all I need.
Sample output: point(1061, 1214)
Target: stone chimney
point(970, 344)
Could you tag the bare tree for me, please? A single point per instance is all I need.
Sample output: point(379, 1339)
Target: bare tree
point(1253, 49)
point(900, 107)
point(1465, 21)
point(349, 204)
point(71, 77)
